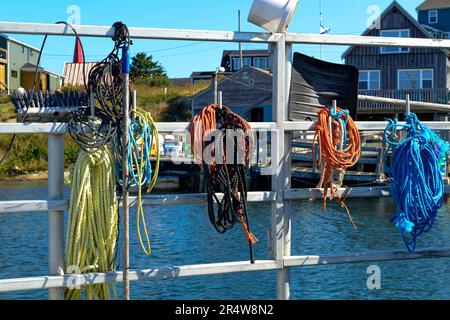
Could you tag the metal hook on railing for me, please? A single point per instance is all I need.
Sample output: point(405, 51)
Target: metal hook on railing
point(408, 104)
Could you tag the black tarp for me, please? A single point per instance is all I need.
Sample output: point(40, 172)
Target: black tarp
point(316, 83)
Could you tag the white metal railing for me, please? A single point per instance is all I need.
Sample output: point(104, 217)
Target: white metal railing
point(179, 127)
point(280, 196)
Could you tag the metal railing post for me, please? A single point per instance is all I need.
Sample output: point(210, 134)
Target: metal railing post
point(288, 136)
point(125, 193)
point(56, 218)
point(279, 179)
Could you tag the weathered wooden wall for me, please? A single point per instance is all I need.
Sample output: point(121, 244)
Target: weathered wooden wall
point(249, 87)
point(370, 58)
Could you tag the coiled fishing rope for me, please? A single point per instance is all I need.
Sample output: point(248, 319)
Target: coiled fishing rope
point(143, 135)
point(94, 214)
point(416, 178)
point(338, 144)
point(105, 83)
point(92, 227)
point(224, 173)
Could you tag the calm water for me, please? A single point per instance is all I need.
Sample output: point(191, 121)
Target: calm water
point(183, 235)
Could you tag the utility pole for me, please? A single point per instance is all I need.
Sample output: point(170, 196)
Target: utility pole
point(320, 28)
point(241, 61)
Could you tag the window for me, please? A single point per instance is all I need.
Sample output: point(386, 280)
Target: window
point(415, 79)
point(369, 80)
point(404, 33)
point(237, 65)
point(433, 17)
point(14, 74)
point(261, 62)
point(3, 54)
point(23, 49)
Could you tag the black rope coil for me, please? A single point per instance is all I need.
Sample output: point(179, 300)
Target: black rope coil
point(105, 82)
point(229, 176)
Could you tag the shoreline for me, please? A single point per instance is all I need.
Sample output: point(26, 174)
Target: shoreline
point(29, 177)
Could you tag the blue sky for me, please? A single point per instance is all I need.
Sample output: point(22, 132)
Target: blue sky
point(181, 58)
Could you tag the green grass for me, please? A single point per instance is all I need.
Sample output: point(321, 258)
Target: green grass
point(29, 152)
point(172, 106)
point(7, 110)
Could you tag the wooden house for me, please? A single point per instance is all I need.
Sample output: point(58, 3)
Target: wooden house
point(424, 73)
point(18, 65)
point(231, 62)
point(248, 92)
point(435, 16)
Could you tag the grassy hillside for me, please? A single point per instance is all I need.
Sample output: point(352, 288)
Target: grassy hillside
point(7, 110)
point(172, 106)
point(29, 152)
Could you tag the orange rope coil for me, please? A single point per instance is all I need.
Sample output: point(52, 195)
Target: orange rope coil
point(331, 157)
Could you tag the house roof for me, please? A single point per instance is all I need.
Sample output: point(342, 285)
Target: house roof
point(245, 52)
point(8, 38)
point(202, 74)
point(29, 67)
point(73, 73)
point(393, 5)
point(434, 4)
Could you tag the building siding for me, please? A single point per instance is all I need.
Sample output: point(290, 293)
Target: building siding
point(443, 19)
point(244, 91)
point(370, 58)
point(18, 58)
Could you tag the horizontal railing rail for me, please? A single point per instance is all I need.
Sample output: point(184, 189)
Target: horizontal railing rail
point(174, 272)
point(221, 36)
point(179, 127)
point(423, 100)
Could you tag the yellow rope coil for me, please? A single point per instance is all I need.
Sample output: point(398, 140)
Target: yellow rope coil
point(93, 222)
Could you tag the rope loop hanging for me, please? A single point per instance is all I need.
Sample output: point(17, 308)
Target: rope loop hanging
point(336, 148)
point(215, 133)
point(93, 224)
point(143, 136)
point(416, 173)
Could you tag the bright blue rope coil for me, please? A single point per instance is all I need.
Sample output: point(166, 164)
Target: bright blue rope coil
point(416, 177)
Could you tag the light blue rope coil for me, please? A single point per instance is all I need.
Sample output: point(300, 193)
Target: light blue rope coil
point(141, 136)
point(416, 177)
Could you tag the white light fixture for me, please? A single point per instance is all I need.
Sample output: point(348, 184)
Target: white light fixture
point(272, 15)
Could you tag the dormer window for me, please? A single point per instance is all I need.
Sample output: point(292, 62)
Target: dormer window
point(433, 17)
point(400, 33)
